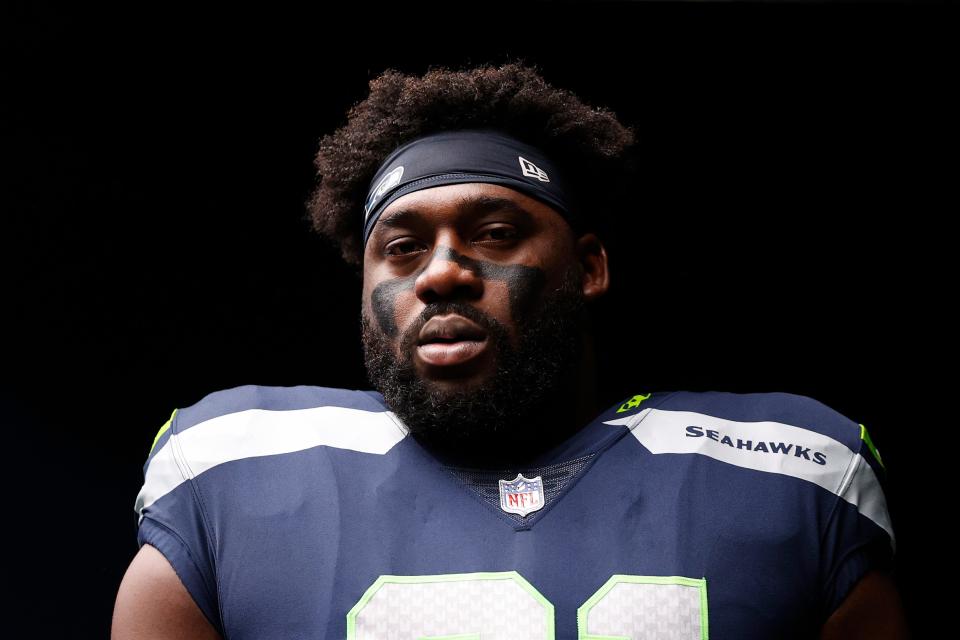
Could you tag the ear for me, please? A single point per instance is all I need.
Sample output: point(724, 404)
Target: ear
point(593, 258)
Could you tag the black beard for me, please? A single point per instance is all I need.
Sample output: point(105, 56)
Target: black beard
point(523, 409)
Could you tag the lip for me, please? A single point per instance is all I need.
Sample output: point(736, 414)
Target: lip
point(450, 329)
point(448, 354)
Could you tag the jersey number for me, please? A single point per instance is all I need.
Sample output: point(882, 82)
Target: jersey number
point(471, 606)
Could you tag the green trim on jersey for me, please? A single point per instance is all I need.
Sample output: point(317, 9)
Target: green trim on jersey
point(506, 576)
point(163, 429)
point(866, 438)
point(698, 583)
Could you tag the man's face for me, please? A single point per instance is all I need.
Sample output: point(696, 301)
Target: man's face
point(472, 296)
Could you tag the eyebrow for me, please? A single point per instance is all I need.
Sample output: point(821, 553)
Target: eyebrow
point(469, 205)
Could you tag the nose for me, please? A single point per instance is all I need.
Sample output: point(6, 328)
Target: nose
point(448, 275)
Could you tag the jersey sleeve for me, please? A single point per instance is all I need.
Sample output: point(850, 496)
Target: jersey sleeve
point(859, 535)
point(172, 519)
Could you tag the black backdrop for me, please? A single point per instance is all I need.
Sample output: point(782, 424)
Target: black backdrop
point(782, 236)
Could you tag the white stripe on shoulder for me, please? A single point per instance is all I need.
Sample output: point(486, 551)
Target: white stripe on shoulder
point(259, 432)
point(865, 492)
point(773, 447)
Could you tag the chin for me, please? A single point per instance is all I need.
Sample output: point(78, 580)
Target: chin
point(446, 390)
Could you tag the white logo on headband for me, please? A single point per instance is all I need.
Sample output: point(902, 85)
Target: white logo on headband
point(388, 181)
point(532, 170)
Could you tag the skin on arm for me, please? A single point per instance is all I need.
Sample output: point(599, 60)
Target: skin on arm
point(872, 609)
point(152, 603)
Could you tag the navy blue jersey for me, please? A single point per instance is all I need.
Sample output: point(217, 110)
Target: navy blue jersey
point(308, 512)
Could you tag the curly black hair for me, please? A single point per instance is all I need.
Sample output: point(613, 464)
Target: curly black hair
point(589, 142)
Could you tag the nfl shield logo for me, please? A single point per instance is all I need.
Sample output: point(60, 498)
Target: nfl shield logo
point(521, 495)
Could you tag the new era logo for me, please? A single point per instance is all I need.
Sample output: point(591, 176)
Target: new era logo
point(532, 170)
point(388, 181)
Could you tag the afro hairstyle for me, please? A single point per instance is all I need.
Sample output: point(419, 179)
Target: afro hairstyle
point(591, 145)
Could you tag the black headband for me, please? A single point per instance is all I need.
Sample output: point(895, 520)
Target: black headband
point(465, 155)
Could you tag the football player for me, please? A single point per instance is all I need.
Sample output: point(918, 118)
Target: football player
point(484, 487)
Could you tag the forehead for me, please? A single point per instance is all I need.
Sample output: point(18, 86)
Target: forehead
point(446, 204)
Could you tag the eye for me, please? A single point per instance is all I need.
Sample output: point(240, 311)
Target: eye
point(398, 247)
point(500, 233)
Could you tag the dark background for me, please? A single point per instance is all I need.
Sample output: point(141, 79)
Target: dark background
point(783, 235)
